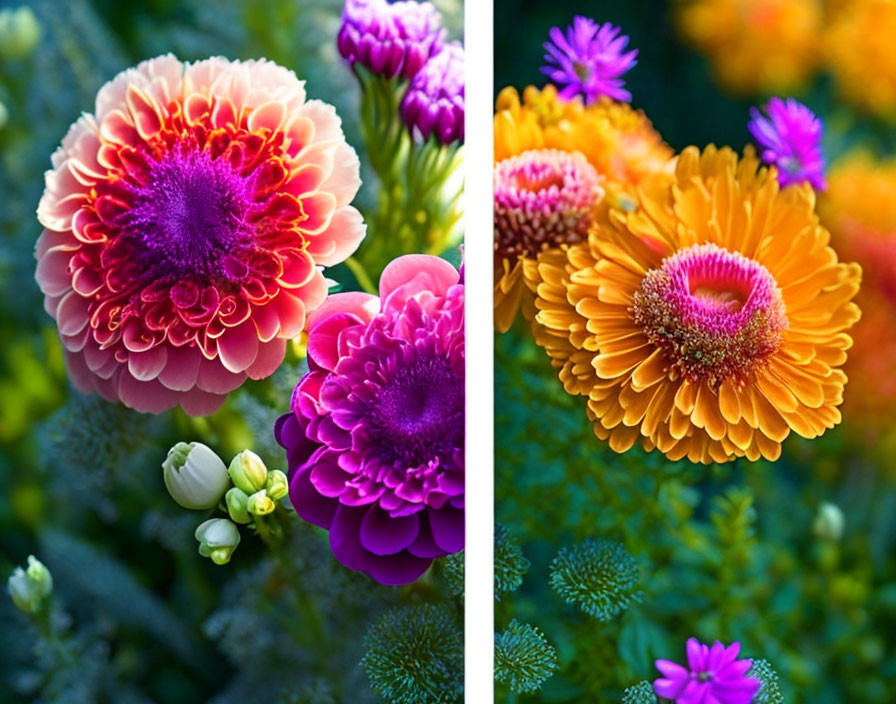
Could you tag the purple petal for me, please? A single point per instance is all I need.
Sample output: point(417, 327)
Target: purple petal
point(382, 534)
point(447, 526)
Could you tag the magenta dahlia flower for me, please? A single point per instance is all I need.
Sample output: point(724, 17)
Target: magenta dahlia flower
point(434, 102)
point(187, 222)
point(390, 39)
point(589, 60)
point(790, 138)
point(714, 674)
point(375, 439)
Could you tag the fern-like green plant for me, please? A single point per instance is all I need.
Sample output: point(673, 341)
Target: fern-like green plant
point(641, 693)
point(769, 692)
point(414, 655)
point(599, 576)
point(523, 658)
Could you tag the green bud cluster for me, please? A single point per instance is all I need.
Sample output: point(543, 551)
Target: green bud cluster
point(197, 478)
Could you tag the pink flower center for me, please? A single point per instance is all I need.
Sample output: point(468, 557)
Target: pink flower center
point(543, 198)
point(716, 314)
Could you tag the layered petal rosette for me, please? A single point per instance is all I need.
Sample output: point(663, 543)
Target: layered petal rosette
point(709, 323)
point(187, 222)
point(375, 436)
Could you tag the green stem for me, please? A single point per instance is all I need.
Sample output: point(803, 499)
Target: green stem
point(357, 268)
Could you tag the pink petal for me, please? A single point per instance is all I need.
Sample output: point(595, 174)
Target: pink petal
point(270, 357)
point(238, 347)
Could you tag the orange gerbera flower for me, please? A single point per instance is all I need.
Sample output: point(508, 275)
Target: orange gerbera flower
point(756, 46)
point(616, 140)
point(710, 322)
point(861, 214)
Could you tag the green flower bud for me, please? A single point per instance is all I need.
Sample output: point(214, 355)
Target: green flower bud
point(260, 503)
point(277, 485)
point(237, 505)
point(218, 538)
point(248, 472)
point(829, 522)
point(29, 587)
point(19, 32)
point(4, 116)
point(194, 475)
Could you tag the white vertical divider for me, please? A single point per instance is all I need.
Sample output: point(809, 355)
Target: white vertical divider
point(479, 567)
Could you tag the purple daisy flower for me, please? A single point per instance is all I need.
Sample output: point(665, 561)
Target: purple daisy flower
point(375, 439)
point(589, 60)
point(390, 39)
point(714, 674)
point(790, 138)
point(434, 103)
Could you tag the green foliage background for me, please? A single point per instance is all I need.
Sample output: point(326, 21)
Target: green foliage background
point(726, 552)
point(138, 616)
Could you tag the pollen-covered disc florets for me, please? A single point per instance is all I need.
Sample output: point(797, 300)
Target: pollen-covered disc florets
point(187, 223)
point(715, 314)
point(543, 198)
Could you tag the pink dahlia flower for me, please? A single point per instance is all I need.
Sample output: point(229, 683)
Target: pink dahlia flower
point(714, 675)
point(187, 221)
point(375, 439)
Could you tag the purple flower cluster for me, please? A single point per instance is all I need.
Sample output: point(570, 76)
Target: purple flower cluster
point(434, 102)
point(375, 436)
point(790, 139)
point(390, 39)
point(589, 60)
point(713, 674)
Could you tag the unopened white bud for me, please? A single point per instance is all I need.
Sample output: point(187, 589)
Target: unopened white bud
point(218, 538)
point(194, 475)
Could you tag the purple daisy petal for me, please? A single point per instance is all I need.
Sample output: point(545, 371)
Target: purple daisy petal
point(589, 60)
point(790, 139)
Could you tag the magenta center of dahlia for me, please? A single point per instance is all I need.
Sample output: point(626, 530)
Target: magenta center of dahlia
point(190, 215)
point(418, 412)
point(543, 198)
point(716, 314)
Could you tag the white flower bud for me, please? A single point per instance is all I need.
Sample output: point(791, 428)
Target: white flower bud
point(218, 538)
point(829, 522)
point(4, 116)
point(277, 485)
point(248, 472)
point(19, 32)
point(29, 587)
point(260, 503)
point(194, 475)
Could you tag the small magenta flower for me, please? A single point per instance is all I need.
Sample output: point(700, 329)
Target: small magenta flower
point(434, 103)
point(589, 60)
point(375, 439)
point(390, 39)
point(714, 674)
point(790, 138)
